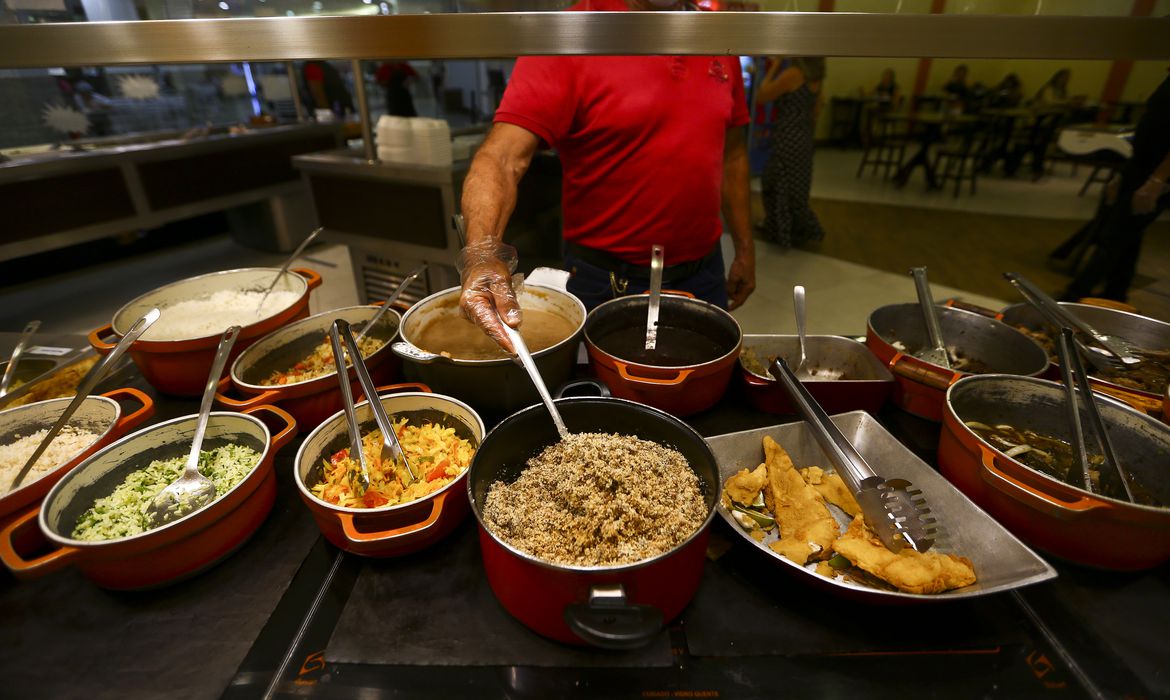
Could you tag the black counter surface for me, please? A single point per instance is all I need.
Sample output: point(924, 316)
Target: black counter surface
point(290, 616)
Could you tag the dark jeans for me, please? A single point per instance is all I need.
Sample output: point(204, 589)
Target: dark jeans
point(1114, 262)
point(591, 284)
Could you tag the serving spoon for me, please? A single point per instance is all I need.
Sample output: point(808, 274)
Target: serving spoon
point(10, 370)
point(801, 371)
point(287, 263)
point(390, 300)
point(936, 354)
point(191, 491)
point(87, 385)
point(656, 256)
point(534, 374)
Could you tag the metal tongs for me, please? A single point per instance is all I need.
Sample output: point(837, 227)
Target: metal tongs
point(87, 385)
point(656, 257)
point(893, 508)
point(359, 480)
point(1118, 351)
point(936, 354)
point(1070, 361)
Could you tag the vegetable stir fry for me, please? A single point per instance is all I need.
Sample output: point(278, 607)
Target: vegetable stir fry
point(436, 453)
point(319, 363)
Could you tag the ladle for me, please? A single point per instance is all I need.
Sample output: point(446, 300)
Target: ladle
point(284, 268)
point(534, 374)
point(801, 372)
point(390, 301)
point(10, 370)
point(1073, 369)
point(87, 385)
point(936, 354)
point(656, 255)
point(893, 509)
point(191, 491)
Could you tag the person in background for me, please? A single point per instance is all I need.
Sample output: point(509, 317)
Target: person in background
point(653, 150)
point(95, 106)
point(395, 78)
point(1053, 93)
point(886, 91)
point(957, 90)
point(326, 88)
point(795, 87)
point(1142, 194)
point(1009, 93)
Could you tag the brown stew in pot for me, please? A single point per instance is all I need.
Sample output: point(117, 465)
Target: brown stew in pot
point(451, 335)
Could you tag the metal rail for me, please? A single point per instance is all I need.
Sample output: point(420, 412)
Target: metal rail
point(500, 35)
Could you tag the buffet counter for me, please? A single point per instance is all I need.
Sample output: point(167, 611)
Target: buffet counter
point(288, 614)
point(104, 188)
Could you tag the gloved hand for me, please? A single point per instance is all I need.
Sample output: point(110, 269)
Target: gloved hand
point(485, 271)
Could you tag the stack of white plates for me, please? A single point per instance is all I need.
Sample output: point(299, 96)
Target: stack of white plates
point(395, 139)
point(432, 141)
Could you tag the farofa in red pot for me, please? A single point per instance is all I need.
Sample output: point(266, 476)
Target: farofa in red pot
point(437, 455)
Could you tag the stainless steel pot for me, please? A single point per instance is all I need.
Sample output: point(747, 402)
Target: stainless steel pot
point(494, 388)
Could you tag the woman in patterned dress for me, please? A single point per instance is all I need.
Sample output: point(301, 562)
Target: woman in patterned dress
point(795, 87)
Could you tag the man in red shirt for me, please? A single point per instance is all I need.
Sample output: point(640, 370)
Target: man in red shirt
point(652, 149)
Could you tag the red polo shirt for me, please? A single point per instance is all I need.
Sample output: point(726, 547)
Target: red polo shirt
point(641, 142)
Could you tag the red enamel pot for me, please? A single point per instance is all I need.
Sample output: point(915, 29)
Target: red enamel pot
point(615, 607)
point(390, 530)
point(101, 415)
point(166, 554)
point(893, 333)
point(1070, 522)
point(180, 367)
point(310, 401)
point(688, 372)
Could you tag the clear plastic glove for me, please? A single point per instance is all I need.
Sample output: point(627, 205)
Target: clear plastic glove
point(485, 271)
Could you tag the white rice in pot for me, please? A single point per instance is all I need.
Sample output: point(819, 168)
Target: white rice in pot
point(68, 443)
point(213, 314)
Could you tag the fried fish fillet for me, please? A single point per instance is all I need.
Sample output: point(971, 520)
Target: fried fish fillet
point(832, 489)
point(807, 529)
point(744, 486)
point(908, 570)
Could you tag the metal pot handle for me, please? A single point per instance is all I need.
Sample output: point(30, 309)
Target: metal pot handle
point(598, 387)
point(132, 420)
point(1029, 495)
point(609, 622)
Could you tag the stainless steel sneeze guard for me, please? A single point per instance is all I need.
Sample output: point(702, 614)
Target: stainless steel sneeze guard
point(499, 35)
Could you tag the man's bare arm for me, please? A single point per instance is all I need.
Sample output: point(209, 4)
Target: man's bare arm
point(736, 196)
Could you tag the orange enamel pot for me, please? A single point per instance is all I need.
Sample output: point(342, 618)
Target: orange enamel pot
point(920, 387)
point(180, 367)
point(175, 551)
point(1070, 522)
point(313, 400)
point(698, 345)
point(388, 531)
point(101, 415)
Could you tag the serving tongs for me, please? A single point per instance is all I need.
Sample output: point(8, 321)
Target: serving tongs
point(1117, 352)
point(656, 259)
point(1112, 469)
point(91, 380)
point(391, 450)
point(287, 263)
point(893, 508)
point(936, 354)
point(10, 369)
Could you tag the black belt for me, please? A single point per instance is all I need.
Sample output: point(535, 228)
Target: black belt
point(629, 270)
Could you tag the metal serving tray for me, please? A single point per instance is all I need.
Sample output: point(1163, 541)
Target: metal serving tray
point(1001, 561)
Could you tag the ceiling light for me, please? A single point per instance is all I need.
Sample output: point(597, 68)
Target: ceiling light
point(224, 5)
